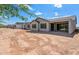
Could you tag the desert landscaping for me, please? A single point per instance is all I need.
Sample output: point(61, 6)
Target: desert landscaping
point(24, 42)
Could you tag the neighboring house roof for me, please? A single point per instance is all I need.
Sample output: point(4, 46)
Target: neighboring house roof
point(27, 22)
point(20, 23)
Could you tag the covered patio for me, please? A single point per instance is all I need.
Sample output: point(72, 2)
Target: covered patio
point(59, 26)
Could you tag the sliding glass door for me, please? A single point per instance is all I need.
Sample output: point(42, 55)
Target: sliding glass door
point(62, 27)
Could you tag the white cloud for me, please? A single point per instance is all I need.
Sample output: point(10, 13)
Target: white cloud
point(38, 13)
point(56, 14)
point(58, 5)
point(29, 7)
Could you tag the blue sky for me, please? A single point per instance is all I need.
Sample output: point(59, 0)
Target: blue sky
point(49, 11)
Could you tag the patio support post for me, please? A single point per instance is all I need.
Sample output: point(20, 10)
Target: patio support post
point(55, 27)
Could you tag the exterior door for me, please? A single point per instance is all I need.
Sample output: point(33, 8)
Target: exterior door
point(52, 27)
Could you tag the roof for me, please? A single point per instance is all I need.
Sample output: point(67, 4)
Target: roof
point(37, 19)
point(41, 19)
point(64, 18)
point(20, 23)
point(58, 19)
point(27, 22)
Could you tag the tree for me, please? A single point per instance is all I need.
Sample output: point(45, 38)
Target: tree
point(11, 10)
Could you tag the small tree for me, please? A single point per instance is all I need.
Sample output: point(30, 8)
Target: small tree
point(11, 10)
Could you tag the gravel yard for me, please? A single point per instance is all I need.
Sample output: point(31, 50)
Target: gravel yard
point(17, 41)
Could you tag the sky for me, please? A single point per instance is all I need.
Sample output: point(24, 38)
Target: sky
point(49, 11)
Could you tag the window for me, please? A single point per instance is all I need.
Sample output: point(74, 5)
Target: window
point(33, 25)
point(43, 26)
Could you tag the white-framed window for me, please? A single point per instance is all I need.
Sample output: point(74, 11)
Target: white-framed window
point(33, 25)
point(43, 26)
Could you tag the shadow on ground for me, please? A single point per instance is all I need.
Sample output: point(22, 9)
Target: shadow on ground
point(55, 33)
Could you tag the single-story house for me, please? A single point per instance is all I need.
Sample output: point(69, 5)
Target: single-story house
point(61, 24)
point(27, 25)
point(11, 26)
point(20, 25)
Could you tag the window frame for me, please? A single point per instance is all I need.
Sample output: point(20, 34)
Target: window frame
point(34, 26)
point(43, 25)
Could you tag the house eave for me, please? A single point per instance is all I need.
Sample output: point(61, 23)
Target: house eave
point(62, 19)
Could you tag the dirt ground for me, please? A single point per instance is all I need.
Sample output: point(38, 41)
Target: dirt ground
point(23, 42)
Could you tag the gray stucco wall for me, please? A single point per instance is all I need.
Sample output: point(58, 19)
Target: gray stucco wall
point(34, 29)
point(72, 26)
point(19, 26)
